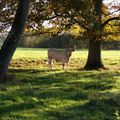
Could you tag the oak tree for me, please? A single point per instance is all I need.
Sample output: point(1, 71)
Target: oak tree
point(9, 46)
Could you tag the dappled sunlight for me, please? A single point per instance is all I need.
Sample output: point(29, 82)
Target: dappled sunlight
point(73, 93)
point(63, 94)
point(37, 59)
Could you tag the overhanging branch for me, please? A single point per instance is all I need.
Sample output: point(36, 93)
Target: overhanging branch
point(80, 24)
point(108, 20)
point(49, 18)
point(112, 12)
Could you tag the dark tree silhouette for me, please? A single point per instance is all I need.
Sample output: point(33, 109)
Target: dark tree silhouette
point(94, 60)
point(9, 46)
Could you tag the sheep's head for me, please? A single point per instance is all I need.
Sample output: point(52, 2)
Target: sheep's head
point(69, 51)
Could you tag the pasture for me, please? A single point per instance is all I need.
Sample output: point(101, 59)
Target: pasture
point(36, 93)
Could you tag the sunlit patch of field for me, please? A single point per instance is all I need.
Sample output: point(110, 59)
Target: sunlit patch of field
point(37, 58)
point(37, 93)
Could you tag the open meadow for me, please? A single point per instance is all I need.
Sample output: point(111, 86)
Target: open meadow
point(37, 93)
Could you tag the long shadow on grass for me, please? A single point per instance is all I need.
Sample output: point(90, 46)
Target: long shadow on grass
point(104, 109)
point(65, 86)
point(4, 110)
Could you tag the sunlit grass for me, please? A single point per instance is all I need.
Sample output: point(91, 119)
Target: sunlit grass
point(38, 58)
point(38, 53)
point(37, 93)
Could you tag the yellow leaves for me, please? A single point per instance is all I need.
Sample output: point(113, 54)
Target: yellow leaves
point(27, 29)
point(112, 31)
point(76, 30)
point(104, 9)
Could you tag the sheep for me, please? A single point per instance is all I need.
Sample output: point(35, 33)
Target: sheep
point(59, 55)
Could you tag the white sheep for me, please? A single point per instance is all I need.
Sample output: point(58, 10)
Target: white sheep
point(62, 56)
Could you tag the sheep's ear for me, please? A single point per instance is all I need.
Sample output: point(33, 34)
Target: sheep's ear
point(67, 49)
point(73, 49)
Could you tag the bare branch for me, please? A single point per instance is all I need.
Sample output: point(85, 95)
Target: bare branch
point(112, 12)
point(50, 18)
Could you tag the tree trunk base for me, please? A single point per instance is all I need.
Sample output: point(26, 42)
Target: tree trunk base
point(95, 67)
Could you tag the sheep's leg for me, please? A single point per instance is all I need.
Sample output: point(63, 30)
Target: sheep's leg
point(67, 65)
point(63, 66)
point(50, 63)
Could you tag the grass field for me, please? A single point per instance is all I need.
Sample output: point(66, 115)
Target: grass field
point(36, 93)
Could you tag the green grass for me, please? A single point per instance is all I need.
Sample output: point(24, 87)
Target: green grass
point(36, 93)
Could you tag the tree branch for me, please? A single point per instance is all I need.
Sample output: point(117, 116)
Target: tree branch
point(112, 12)
point(35, 34)
point(108, 20)
point(50, 18)
point(80, 24)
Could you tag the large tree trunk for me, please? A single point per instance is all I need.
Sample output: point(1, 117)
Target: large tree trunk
point(15, 34)
point(94, 60)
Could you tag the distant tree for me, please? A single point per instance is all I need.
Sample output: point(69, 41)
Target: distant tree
point(14, 36)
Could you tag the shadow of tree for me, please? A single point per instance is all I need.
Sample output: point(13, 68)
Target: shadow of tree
point(15, 107)
point(75, 86)
point(92, 110)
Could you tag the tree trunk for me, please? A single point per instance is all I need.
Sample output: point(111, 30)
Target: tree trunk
point(15, 34)
point(94, 60)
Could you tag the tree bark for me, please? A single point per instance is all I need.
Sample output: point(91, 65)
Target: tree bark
point(94, 60)
point(9, 46)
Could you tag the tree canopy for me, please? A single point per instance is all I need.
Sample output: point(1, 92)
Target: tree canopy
point(63, 15)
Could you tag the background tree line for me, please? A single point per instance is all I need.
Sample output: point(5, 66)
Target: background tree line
point(64, 40)
point(61, 41)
